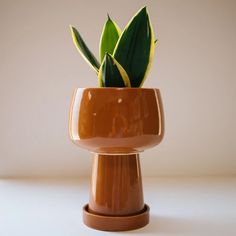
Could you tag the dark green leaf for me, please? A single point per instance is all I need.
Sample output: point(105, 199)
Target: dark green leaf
point(135, 48)
point(112, 74)
point(84, 50)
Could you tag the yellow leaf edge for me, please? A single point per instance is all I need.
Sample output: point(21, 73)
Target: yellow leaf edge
point(79, 49)
point(103, 29)
point(151, 55)
point(122, 71)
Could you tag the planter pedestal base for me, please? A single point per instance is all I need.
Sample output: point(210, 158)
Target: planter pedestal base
point(116, 194)
point(115, 223)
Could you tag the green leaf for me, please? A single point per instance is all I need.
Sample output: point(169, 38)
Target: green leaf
point(84, 50)
point(135, 48)
point(110, 35)
point(112, 74)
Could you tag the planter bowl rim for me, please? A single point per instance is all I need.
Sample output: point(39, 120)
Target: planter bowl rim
point(115, 88)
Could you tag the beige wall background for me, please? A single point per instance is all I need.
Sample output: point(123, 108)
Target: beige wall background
point(194, 66)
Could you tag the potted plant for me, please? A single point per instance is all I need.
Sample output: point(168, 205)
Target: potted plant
point(117, 121)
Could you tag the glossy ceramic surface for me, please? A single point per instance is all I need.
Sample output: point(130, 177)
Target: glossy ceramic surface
point(116, 123)
point(116, 120)
point(116, 185)
point(116, 223)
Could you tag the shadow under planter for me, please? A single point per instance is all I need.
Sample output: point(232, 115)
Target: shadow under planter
point(116, 124)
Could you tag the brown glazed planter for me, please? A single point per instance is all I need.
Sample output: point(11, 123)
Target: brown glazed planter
point(116, 124)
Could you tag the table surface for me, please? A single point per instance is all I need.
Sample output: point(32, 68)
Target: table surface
point(179, 206)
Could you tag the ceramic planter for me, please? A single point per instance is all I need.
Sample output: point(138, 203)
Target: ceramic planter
point(116, 124)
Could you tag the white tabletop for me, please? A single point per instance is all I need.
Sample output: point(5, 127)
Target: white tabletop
point(179, 206)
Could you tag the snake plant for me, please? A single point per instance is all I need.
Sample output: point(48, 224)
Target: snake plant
point(125, 56)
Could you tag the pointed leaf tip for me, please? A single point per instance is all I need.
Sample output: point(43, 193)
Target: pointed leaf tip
point(84, 50)
point(112, 74)
point(109, 37)
point(143, 9)
point(71, 28)
point(137, 41)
